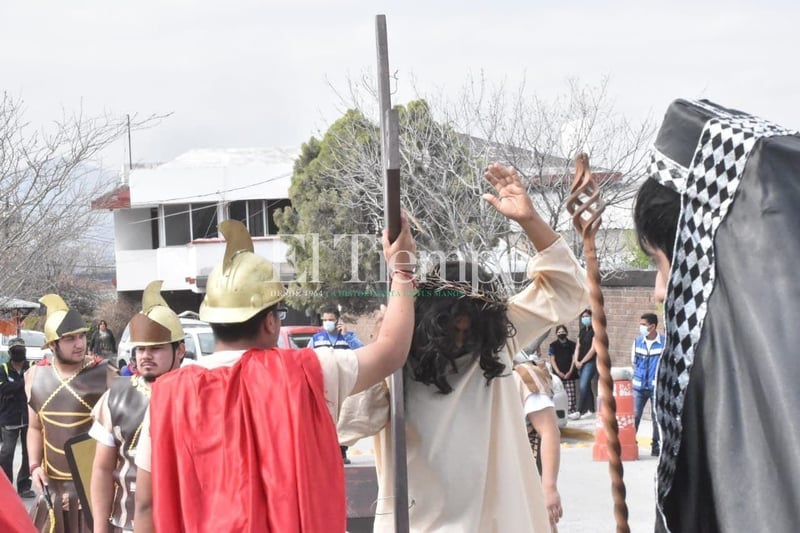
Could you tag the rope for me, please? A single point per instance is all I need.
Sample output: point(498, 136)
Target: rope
point(585, 206)
point(51, 512)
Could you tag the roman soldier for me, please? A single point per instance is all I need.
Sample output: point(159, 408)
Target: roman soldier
point(276, 466)
point(157, 334)
point(61, 395)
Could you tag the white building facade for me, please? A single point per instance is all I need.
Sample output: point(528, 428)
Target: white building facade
point(166, 218)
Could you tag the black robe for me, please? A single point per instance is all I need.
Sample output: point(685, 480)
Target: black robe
point(737, 462)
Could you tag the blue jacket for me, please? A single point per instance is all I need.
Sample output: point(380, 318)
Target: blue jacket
point(645, 362)
point(346, 341)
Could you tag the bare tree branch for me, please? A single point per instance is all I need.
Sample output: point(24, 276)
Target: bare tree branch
point(47, 181)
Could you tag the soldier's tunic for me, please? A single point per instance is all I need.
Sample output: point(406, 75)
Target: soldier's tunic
point(118, 419)
point(64, 406)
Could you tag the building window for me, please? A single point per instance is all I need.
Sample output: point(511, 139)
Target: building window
point(184, 223)
point(177, 224)
point(204, 221)
point(272, 206)
point(251, 214)
point(257, 215)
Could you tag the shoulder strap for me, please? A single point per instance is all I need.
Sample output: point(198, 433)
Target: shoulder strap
point(527, 379)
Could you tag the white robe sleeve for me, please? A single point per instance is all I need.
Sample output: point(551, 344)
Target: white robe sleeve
point(558, 292)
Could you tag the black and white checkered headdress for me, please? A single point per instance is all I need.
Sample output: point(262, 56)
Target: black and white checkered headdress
point(707, 188)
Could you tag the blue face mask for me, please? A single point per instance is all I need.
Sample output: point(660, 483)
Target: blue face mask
point(586, 320)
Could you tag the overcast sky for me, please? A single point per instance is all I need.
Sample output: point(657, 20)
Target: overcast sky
point(240, 73)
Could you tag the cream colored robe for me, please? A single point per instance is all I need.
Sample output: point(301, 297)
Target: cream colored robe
point(470, 467)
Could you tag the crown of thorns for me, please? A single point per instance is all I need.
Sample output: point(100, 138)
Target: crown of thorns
point(432, 284)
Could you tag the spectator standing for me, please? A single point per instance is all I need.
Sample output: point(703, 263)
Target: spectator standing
point(645, 354)
point(14, 415)
point(561, 354)
point(103, 343)
point(586, 363)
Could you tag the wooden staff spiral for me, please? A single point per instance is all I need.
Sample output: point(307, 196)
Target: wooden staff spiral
point(586, 207)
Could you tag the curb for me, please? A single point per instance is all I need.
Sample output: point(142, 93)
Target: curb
point(579, 434)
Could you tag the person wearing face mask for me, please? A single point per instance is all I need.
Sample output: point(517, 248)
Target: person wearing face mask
point(560, 352)
point(336, 336)
point(645, 354)
point(14, 415)
point(586, 363)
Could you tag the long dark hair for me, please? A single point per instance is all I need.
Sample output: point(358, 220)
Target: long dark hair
point(433, 352)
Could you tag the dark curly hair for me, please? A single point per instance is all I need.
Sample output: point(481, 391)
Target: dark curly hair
point(433, 352)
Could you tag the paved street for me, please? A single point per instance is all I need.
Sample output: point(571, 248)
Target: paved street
point(585, 485)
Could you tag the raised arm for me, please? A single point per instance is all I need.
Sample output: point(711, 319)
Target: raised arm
point(379, 359)
point(558, 291)
point(513, 202)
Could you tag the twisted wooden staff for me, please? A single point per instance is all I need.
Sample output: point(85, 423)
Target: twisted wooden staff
point(586, 206)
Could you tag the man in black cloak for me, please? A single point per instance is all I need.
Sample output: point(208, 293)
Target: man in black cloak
point(720, 216)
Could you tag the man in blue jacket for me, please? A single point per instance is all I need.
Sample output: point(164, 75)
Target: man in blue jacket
point(335, 334)
point(645, 354)
point(14, 415)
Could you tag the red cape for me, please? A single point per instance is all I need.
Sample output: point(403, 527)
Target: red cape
point(14, 517)
point(246, 448)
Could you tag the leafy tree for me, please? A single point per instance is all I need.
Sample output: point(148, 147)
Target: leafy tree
point(337, 184)
point(337, 190)
point(636, 256)
point(323, 214)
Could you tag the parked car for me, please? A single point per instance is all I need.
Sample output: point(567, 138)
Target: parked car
point(34, 342)
point(296, 336)
point(198, 337)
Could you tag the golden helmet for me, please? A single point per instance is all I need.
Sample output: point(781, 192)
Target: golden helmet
point(156, 323)
point(243, 284)
point(61, 320)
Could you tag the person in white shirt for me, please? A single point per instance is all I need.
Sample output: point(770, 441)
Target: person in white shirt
point(245, 440)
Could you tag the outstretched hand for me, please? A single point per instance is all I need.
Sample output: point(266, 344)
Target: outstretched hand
point(512, 200)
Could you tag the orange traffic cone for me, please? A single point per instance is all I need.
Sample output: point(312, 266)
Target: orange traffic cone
point(623, 394)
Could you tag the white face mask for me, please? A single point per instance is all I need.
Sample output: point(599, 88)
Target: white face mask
point(643, 330)
point(329, 325)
